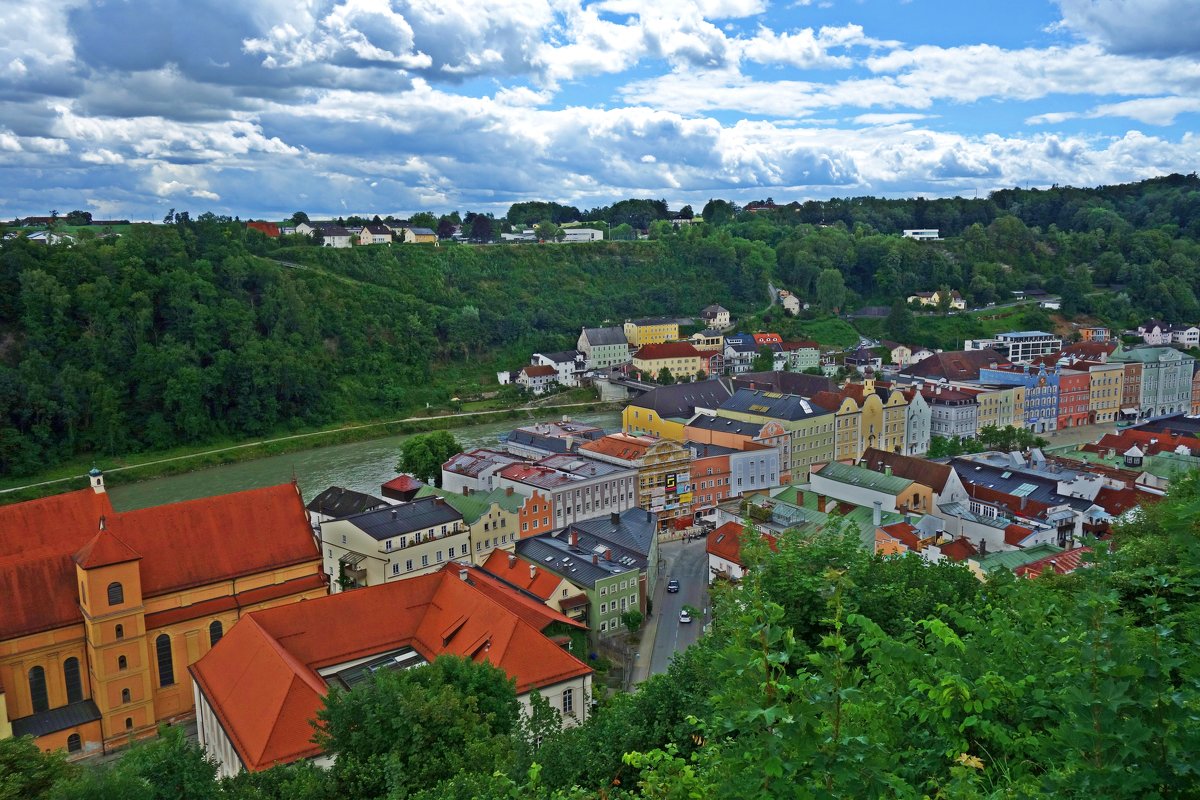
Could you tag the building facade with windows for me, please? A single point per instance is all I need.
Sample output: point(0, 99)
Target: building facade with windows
point(393, 543)
point(603, 347)
point(663, 471)
point(1166, 379)
point(569, 489)
point(104, 611)
point(651, 330)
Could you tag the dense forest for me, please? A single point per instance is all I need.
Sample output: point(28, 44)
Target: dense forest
point(200, 329)
point(828, 673)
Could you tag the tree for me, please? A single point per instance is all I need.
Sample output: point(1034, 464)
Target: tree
point(718, 212)
point(547, 231)
point(623, 233)
point(405, 731)
point(299, 217)
point(1008, 438)
point(78, 217)
point(831, 290)
point(424, 219)
point(686, 213)
point(764, 360)
point(445, 228)
point(899, 324)
point(423, 454)
point(481, 228)
point(632, 620)
point(665, 377)
point(26, 772)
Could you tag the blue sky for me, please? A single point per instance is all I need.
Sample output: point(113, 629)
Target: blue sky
point(377, 106)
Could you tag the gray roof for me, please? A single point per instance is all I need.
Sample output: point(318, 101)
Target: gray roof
point(701, 450)
point(1018, 482)
point(428, 512)
point(726, 425)
point(423, 231)
point(654, 321)
point(713, 310)
point(785, 382)
point(680, 400)
point(628, 541)
point(543, 442)
point(56, 719)
point(789, 407)
point(338, 502)
point(580, 465)
point(563, 357)
point(603, 336)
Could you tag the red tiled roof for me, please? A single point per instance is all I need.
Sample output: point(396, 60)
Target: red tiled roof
point(726, 542)
point(1061, 563)
point(181, 545)
point(619, 445)
point(261, 679)
point(917, 470)
point(104, 550)
point(904, 533)
point(537, 614)
point(403, 483)
point(1014, 534)
point(539, 371)
point(803, 344)
point(652, 352)
point(959, 549)
point(515, 572)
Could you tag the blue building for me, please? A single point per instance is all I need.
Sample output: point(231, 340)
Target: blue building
point(1041, 392)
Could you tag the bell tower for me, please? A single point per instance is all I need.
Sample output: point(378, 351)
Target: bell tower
point(108, 572)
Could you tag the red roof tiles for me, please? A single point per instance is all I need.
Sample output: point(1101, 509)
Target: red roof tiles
point(653, 352)
point(959, 549)
point(262, 681)
point(726, 542)
point(515, 572)
point(1061, 563)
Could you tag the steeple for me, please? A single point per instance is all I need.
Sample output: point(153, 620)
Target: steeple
point(96, 477)
point(105, 549)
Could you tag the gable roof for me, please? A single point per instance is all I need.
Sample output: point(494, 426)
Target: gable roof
point(864, 478)
point(785, 382)
point(653, 352)
point(105, 549)
point(597, 337)
point(516, 572)
point(725, 542)
point(261, 679)
point(956, 365)
point(390, 521)
point(620, 445)
point(772, 405)
point(474, 505)
point(181, 545)
point(530, 371)
point(918, 470)
point(680, 400)
point(711, 311)
point(738, 427)
point(1060, 563)
point(959, 550)
point(339, 502)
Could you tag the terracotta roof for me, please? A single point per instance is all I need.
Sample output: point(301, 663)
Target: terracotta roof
point(403, 483)
point(242, 600)
point(515, 572)
point(620, 445)
point(1014, 534)
point(652, 352)
point(1090, 349)
point(904, 533)
point(1061, 563)
point(105, 549)
point(269, 228)
point(181, 545)
point(726, 542)
point(531, 610)
point(538, 372)
point(917, 470)
point(959, 549)
point(261, 679)
point(957, 365)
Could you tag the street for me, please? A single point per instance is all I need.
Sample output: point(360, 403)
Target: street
point(664, 634)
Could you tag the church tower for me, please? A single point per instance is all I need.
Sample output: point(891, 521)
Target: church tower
point(108, 573)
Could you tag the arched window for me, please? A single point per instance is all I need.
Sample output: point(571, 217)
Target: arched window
point(74, 743)
point(71, 679)
point(116, 594)
point(166, 667)
point(37, 690)
point(120, 631)
point(129, 723)
point(122, 662)
point(125, 696)
point(215, 632)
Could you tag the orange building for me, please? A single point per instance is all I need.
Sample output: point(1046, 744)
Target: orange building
point(104, 612)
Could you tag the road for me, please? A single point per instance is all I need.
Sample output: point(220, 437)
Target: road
point(688, 563)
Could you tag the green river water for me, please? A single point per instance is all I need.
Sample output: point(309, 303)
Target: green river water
point(361, 466)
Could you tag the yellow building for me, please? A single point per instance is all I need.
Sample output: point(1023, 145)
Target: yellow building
point(104, 612)
point(1001, 406)
point(708, 340)
point(934, 298)
point(1104, 404)
point(809, 424)
point(684, 361)
point(664, 471)
point(866, 415)
point(652, 330)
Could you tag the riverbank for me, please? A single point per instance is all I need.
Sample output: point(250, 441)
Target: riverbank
point(148, 466)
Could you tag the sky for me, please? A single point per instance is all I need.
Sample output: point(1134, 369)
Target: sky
point(259, 109)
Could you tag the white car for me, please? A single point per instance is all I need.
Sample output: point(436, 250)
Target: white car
point(684, 616)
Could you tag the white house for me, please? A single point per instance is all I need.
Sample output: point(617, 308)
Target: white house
point(582, 235)
point(569, 364)
point(922, 234)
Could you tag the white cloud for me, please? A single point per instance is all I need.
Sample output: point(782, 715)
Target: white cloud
point(1147, 27)
point(888, 119)
point(1150, 110)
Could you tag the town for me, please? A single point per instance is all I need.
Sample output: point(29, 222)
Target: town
point(575, 559)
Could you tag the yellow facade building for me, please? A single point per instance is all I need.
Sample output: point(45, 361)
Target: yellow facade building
point(652, 330)
point(104, 611)
point(683, 360)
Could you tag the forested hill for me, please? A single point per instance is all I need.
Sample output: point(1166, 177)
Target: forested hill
point(184, 333)
point(187, 332)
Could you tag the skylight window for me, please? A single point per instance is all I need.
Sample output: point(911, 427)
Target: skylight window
point(1024, 490)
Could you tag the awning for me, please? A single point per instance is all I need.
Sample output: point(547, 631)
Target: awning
point(352, 559)
point(1133, 412)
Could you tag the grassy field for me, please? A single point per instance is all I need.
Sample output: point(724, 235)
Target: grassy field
point(827, 331)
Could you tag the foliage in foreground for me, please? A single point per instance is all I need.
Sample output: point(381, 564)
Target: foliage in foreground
point(829, 673)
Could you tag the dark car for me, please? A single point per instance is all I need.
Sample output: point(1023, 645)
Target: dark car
point(672, 586)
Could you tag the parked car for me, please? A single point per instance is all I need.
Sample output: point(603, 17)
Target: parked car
point(684, 616)
point(672, 586)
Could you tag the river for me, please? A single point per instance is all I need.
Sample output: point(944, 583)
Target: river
point(361, 466)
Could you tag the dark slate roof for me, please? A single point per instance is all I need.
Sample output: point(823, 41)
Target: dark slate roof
point(654, 321)
point(680, 400)
point(701, 450)
point(741, 343)
point(423, 231)
point(428, 512)
point(56, 719)
point(712, 311)
point(574, 564)
point(550, 444)
point(735, 426)
point(338, 502)
point(378, 230)
point(602, 336)
point(566, 356)
point(920, 470)
point(629, 541)
point(634, 531)
point(785, 382)
point(789, 407)
point(333, 230)
point(956, 365)
point(1044, 489)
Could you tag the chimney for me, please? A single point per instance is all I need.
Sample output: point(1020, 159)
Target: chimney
point(462, 574)
point(983, 547)
point(877, 514)
point(466, 491)
point(595, 560)
point(821, 503)
point(512, 560)
point(608, 555)
point(438, 500)
point(574, 538)
point(394, 513)
point(649, 516)
point(887, 469)
point(508, 490)
point(532, 571)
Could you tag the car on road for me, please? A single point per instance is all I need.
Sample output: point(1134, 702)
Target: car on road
point(672, 586)
point(684, 616)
